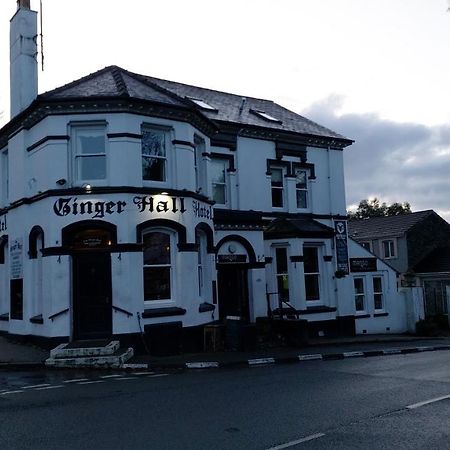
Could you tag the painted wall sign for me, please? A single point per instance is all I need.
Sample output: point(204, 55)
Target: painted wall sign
point(340, 227)
point(3, 226)
point(231, 258)
point(145, 203)
point(363, 264)
point(16, 258)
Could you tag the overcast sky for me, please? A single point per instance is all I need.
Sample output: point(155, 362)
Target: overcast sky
point(376, 71)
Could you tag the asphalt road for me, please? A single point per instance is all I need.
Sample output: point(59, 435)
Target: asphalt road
point(367, 403)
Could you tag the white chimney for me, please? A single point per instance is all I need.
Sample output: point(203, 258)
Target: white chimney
point(23, 57)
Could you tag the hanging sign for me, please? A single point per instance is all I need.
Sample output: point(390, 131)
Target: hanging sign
point(340, 227)
point(16, 258)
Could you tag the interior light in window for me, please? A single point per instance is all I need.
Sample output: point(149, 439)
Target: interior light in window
point(202, 104)
point(265, 116)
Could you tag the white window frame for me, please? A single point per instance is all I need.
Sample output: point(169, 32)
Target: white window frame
point(392, 249)
point(277, 275)
point(225, 183)
point(319, 250)
point(282, 188)
point(172, 273)
point(360, 294)
point(5, 177)
point(77, 128)
point(166, 131)
point(301, 189)
point(380, 293)
point(200, 164)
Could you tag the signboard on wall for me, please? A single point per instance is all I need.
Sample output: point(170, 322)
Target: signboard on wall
point(16, 258)
point(340, 227)
point(363, 264)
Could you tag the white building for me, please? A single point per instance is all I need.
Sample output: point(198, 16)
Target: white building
point(130, 202)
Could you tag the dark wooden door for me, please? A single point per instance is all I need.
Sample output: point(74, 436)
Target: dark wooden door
point(92, 303)
point(233, 291)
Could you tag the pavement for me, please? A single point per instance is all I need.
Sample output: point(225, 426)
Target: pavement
point(19, 356)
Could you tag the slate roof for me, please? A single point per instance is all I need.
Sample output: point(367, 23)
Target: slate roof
point(113, 81)
point(383, 227)
point(438, 261)
point(286, 228)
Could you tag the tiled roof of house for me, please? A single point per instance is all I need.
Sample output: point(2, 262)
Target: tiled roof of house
point(438, 261)
point(113, 81)
point(383, 227)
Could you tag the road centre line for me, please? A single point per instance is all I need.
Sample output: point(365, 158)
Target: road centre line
point(427, 402)
point(76, 380)
point(12, 392)
point(110, 376)
point(298, 441)
point(158, 375)
point(58, 386)
point(35, 386)
point(126, 378)
point(91, 382)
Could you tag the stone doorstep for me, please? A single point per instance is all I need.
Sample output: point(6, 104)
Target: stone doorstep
point(63, 352)
point(99, 361)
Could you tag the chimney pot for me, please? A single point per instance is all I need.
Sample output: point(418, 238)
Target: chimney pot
point(25, 4)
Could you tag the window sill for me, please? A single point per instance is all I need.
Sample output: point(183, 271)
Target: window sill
point(206, 307)
point(381, 314)
point(163, 312)
point(361, 316)
point(4, 317)
point(37, 319)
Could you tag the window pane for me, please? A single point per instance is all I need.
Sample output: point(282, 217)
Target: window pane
point(312, 287)
point(300, 178)
point(281, 260)
point(301, 199)
point(359, 302)
point(153, 143)
point(91, 142)
point(156, 248)
point(219, 194)
point(377, 284)
point(153, 169)
point(156, 283)
point(218, 168)
point(92, 167)
point(359, 285)
point(311, 262)
point(277, 198)
point(277, 176)
point(378, 301)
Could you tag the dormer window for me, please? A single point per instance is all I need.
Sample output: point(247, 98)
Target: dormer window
point(202, 104)
point(265, 116)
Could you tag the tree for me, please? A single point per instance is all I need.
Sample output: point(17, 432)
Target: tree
point(373, 208)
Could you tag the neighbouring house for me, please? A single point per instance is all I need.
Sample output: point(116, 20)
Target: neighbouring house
point(417, 246)
point(131, 204)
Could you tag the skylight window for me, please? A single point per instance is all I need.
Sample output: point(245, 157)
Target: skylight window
point(202, 104)
point(265, 116)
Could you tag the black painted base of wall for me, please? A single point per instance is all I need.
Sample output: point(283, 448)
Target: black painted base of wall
point(342, 326)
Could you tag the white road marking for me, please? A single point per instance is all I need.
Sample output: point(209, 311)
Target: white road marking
point(158, 375)
point(76, 380)
point(126, 378)
point(392, 351)
point(353, 354)
point(427, 402)
point(143, 373)
point(258, 361)
point(50, 387)
point(310, 357)
point(36, 386)
point(424, 349)
point(202, 365)
point(298, 441)
point(92, 382)
point(110, 376)
point(11, 392)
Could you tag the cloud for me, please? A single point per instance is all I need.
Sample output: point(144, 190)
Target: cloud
point(393, 161)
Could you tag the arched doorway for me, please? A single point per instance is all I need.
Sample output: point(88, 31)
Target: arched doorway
point(90, 244)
